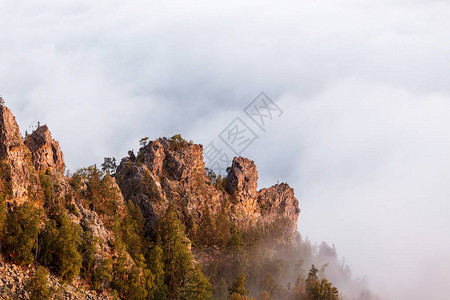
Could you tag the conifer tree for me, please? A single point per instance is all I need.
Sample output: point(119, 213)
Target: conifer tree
point(181, 276)
point(177, 258)
point(197, 286)
point(238, 286)
point(156, 267)
point(319, 289)
point(109, 165)
point(60, 242)
point(88, 249)
point(22, 230)
point(102, 275)
point(38, 286)
point(222, 291)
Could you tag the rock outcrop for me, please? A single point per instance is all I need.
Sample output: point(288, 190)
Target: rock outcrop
point(164, 172)
point(154, 157)
point(168, 171)
point(33, 171)
point(243, 178)
point(22, 161)
point(47, 154)
point(15, 157)
point(276, 201)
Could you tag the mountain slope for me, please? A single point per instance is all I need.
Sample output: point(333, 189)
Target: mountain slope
point(158, 226)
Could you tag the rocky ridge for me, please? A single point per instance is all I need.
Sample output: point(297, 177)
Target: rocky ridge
point(47, 154)
point(22, 163)
point(15, 157)
point(174, 171)
point(165, 171)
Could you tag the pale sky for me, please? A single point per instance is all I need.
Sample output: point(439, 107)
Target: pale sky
point(364, 137)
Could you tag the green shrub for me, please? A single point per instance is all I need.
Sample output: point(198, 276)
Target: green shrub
point(22, 230)
point(102, 275)
point(238, 286)
point(177, 143)
point(87, 249)
point(59, 248)
point(181, 276)
point(38, 286)
point(5, 179)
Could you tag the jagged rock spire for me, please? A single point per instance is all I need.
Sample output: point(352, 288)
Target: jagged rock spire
point(14, 155)
point(47, 154)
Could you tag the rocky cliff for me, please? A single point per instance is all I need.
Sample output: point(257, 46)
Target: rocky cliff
point(47, 154)
point(16, 159)
point(32, 171)
point(173, 171)
point(165, 172)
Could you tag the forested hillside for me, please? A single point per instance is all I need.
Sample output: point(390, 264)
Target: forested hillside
point(156, 226)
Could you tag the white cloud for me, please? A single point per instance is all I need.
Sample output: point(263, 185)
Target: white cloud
point(364, 89)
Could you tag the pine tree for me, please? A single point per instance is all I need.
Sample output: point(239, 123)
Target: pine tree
point(238, 286)
point(88, 249)
point(109, 165)
point(222, 291)
point(22, 230)
point(143, 141)
point(223, 227)
point(178, 259)
point(206, 229)
point(132, 230)
point(38, 286)
point(60, 242)
point(102, 275)
point(181, 276)
point(269, 285)
point(319, 289)
point(156, 267)
point(197, 286)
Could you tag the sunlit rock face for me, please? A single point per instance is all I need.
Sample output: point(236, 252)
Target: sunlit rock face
point(16, 158)
point(47, 154)
point(165, 172)
point(276, 201)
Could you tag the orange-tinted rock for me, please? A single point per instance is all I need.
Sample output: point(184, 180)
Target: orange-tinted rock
point(168, 172)
point(278, 202)
point(47, 154)
point(15, 155)
point(242, 178)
